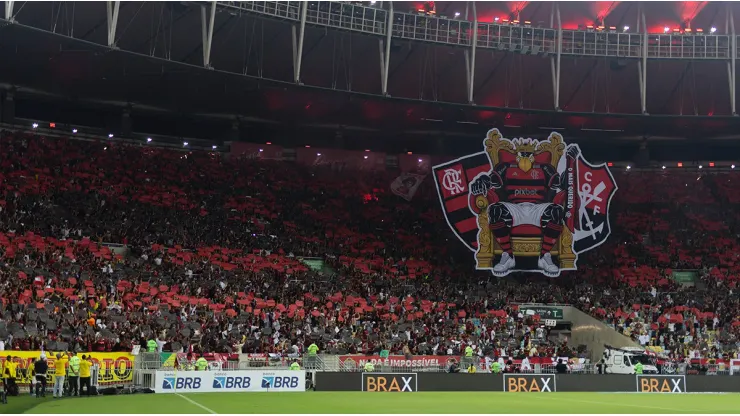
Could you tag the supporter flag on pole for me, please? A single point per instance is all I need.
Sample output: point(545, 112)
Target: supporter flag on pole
point(406, 185)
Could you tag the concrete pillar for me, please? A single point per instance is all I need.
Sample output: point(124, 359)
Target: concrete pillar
point(7, 107)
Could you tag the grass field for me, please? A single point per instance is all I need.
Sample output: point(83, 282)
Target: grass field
point(340, 402)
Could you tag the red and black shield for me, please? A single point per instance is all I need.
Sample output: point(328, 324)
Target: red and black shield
point(452, 180)
point(596, 187)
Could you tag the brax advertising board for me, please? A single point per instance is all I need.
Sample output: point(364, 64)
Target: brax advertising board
point(661, 383)
point(525, 383)
point(229, 381)
point(389, 382)
point(529, 383)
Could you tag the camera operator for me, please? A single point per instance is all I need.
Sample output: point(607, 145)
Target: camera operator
point(454, 368)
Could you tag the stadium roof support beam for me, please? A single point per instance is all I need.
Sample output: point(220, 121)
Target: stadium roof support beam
point(207, 32)
point(385, 59)
point(731, 73)
point(473, 45)
point(9, 11)
point(555, 61)
point(112, 9)
point(642, 65)
point(298, 51)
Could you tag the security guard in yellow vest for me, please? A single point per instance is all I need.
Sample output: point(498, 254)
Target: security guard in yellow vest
point(638, 368)
point(468, 356)
point(201, 364)
point(151, 346)
point(74, 375)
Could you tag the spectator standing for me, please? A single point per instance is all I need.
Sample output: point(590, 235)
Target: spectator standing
point(5, 373)
point(30, 376)
point(10, 374)
point(40, 368)
point(85, 375)
point(60, 371)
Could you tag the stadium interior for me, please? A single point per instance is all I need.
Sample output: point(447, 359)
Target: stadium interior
point(239, 181)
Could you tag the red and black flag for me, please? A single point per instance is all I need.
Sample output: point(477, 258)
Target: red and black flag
point(596, 187)
point(453, 179)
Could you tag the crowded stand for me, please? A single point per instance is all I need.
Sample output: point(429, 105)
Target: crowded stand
point(105, 246)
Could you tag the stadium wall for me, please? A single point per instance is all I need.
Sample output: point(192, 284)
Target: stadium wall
point(525, 383)
point(593, 333)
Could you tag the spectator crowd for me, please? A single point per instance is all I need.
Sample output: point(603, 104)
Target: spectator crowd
point(104, 246)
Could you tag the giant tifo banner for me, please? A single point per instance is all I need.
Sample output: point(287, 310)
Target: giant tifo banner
point(229, 381)
point(115, 367)
point(525, 204)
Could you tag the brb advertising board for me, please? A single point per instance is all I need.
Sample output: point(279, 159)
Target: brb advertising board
point(529, 383)
point(661, 383)
point(525, 204)
point(229, 381)
point(389, 382)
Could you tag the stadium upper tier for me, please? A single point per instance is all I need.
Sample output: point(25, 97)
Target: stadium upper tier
point(661, 58)
point(512, 36)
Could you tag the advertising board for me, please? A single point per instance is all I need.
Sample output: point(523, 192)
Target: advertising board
point(524, 383)
point(389, 382)
point(529, 383)
point(662, 383)
point(115, 367)
point(416, 361)
point(229, 381)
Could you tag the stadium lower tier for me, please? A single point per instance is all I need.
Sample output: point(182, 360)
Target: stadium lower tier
point(107, 246)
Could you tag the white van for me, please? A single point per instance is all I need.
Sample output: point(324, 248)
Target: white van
point(623, 360)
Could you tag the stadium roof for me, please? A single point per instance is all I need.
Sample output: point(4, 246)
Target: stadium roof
point(59, 50)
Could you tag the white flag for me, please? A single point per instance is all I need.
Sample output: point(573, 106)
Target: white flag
point(406, 185)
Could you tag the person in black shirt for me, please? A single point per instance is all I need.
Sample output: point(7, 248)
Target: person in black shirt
point(561, 368)
point(40, 367)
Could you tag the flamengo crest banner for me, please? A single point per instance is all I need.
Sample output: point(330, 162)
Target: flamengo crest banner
point(525, 204)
